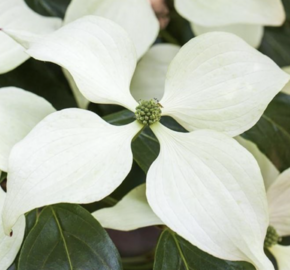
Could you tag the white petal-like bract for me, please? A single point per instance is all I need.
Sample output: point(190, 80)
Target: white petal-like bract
point(218, 82)
point(9, 246)
point(16, 15)
point(131, 213)
point(279, 204)
point(71, 156)
point(282, 256)
point(98, 54)
point(20, 111)
point(286, 89)
point(135, 16)
point(208, 189)
point(268, 170)
point(252, 34)
point(149, 78)
point(224, 12)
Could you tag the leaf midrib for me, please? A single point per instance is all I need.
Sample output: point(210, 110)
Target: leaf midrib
point(62, 237)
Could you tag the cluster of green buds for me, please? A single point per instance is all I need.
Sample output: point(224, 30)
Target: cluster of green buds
point(148, 112)
point(272, 237)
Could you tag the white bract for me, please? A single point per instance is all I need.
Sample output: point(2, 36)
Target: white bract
point(286, 89)
point(15, 14)
point(135, 16)
point(203, 185)
point(20, 111)
point(244, 18)
point(278, 192)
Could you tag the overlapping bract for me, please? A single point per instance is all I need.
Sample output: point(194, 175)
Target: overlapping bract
point(20, 111)
point(244, 18)
point(65, 149)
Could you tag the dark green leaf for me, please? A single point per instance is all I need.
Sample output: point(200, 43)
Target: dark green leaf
point(3, 176)
point(43, 79)
point(173, 252)
point(120, 118)
point(53, 8)
point(276, 44)
point(286, 4)
point(145, 149)
point(31, 219)
point(67, 237)
point(272, 133)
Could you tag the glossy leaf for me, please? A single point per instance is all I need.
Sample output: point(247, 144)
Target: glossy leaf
point(68, 237)
point(43, 79)
point(53, 8)
point(173, 252)
point(3, 176)
point(275, 44)
point(272, 133)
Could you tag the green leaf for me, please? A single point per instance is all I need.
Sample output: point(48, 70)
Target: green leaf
point(67, 237)
point(43, 79)
point(276, 43)
point(286, 4)
point(3, 176)
point(272, 133)
point(53, 8)
point(173, 252)
point(121, 118)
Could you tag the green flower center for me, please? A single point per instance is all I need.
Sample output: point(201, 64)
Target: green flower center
point(148, 112)
point(272, 237)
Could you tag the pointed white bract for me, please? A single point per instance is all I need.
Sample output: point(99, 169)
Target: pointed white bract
point(71, 156)
point(279, 204)
point(268, 170)
point(131, 213)
point(286, 89)
point(149, 77)
point(225, 12)
point(135, 16)
point(98, 54)
point(252, 34)
point(225, 85)
point(16, 15)
point(282, 256)
point(20, 111)
point(10, 245)
point(208, 189)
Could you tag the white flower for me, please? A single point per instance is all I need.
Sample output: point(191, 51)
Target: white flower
point(20, 111)
point(244, 18)
point(278, 192)
point(203, 185)
point(136, 16)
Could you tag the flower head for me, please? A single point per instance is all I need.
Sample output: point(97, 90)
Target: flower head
point(202, 184)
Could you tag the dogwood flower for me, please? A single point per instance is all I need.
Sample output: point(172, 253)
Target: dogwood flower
point(136, 16)
point(278, 192)
point(244, 18)
point(203, 185)
point(20, 111)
